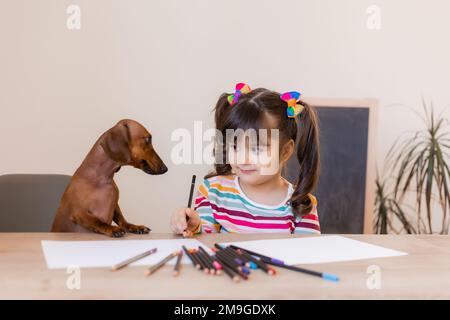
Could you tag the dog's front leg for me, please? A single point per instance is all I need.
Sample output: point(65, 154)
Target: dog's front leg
point(122, 223)
point(92, 223)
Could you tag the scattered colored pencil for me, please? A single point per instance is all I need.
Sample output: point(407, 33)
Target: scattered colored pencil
point(194, 263)
point(261, 264)
point(226, 260)
point(157, 266)
point(281, 264)
point(209, 260)
point(323, 275)
point(202, 260)
point(199, 265)
point(232, 274)
point(266, 258)
point(232, 260)
point(176, 269)
point(133, 259)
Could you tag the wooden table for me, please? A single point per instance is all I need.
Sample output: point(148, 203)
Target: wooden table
point(423, 273)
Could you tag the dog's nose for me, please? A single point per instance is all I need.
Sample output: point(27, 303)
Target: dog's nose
point(163, 169)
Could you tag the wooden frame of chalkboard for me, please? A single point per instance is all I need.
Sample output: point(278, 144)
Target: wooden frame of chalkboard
point(345, 192)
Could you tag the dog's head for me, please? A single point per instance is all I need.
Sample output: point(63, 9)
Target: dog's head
point(129, 143)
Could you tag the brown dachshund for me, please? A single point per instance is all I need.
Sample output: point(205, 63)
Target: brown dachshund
point(90, 201)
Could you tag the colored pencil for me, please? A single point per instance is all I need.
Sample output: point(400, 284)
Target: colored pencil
point(216, 262)
point(217, 265)
point(191, 194)
point(212, 268)
point(176, 270)
point(244, 258)
point(281, 264)
point(237, 257)
point(194, 262)
point(261, 264)
point(231, 273)
point(231, 264)
point(157, 266)
point(202, 260)
point(238, 262)
point(198, 263)
point(228, 266)
point(133, 259)
point(323, 275)
point(266, 258)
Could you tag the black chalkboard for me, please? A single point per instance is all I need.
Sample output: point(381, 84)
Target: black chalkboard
point(342, 185)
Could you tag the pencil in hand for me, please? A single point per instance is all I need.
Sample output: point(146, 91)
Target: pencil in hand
point(191, 193)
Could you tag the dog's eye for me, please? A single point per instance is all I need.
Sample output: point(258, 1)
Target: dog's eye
point(148, 140)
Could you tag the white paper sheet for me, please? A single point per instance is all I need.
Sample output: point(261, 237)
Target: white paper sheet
point(317, 249)
point(106, 253)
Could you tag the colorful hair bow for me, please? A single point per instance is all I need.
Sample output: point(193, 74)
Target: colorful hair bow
point(241, 88)
point(291, 98)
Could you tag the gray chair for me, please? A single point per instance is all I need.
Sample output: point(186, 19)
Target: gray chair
point(28, 202)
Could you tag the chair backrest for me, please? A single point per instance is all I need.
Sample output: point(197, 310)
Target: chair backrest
point(28, 202)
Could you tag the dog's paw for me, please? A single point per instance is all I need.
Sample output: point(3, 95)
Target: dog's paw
point(117, 232)
point(137, 229)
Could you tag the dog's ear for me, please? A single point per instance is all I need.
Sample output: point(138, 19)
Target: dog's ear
point(116, 143)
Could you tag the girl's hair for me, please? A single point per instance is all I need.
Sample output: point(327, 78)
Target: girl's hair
point(250, 112)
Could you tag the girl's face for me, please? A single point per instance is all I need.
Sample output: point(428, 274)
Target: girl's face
point(256, 158)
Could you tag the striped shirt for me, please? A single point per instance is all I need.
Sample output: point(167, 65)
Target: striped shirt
point(223, 207)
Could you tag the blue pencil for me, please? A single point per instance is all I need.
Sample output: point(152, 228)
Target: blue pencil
point(281, 264)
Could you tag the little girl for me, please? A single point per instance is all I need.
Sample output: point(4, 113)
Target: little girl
point(241, 195)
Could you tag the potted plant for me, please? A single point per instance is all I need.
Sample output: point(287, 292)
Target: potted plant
point(416, 180)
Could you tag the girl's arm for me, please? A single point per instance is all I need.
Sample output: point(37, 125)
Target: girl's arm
point(203, 208)
point(308, 223)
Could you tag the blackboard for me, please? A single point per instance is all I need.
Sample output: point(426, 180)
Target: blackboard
point(342, 192)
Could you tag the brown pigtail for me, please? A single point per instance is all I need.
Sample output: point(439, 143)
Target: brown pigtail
point(309, 160)
point(221, 167)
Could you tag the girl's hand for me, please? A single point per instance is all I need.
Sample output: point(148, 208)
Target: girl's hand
point(185, 221)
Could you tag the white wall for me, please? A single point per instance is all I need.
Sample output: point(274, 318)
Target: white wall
point(164, 63)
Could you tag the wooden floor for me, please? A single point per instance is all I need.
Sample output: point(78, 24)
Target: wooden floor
point(423, 274)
